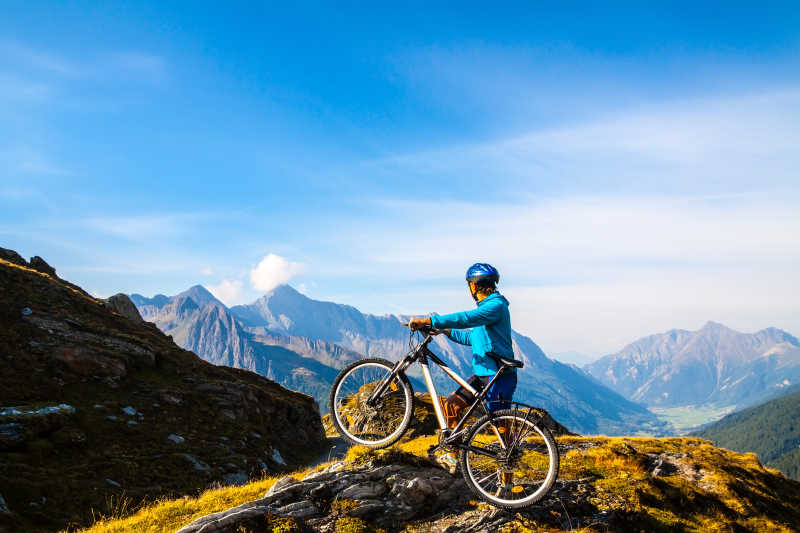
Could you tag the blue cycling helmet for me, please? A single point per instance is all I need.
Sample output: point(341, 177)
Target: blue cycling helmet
point(482, 271)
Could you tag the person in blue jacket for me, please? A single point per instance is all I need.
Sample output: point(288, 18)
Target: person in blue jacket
point(487, 328)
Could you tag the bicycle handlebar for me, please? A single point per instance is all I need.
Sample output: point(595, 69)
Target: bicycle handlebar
point(425, 329)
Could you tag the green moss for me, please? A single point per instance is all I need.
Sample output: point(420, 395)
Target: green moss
point(350, 524)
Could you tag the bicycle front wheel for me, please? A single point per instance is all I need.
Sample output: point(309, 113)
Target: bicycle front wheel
point(510, 461)
point(375, 426)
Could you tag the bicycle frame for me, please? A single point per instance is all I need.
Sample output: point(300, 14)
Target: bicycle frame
point(422, 354)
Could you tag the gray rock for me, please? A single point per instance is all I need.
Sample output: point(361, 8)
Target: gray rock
point(276, 456)
point(177, 439)
point(281, 484)
point(367, 508)
point(365, 491)
point(197, 464)
point(122, 304)
point(389, 495)
point(3, 505)
point(301, 509)
point(20, 425)
point(113, 483)
point(236, 478)
point(26, 311)
point(130, 411)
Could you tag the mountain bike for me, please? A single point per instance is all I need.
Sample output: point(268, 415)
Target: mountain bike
point(506, 456)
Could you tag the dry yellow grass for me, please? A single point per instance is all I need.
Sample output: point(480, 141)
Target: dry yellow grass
point(731, 491)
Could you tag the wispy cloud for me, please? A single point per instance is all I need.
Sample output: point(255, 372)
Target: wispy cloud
point(140, 227)
point(19, 89)
point(104, 67)
point(39, 59)
point(713, 143)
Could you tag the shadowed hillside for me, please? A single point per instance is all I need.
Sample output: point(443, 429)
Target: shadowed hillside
point(98, 407)
point(771, 430)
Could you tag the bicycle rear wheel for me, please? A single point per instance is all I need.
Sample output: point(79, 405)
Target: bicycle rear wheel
point(511, 462)
point(378, 426)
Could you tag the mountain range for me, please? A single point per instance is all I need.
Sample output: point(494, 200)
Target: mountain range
point(712, 366)
point(302, 343)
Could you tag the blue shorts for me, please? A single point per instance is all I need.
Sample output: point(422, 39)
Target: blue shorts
point(500, 395)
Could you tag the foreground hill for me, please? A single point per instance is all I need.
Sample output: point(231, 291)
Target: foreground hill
point(302, 343)
point(606, 484)
point(97, 408)
point(714, 365)
point(771, 430)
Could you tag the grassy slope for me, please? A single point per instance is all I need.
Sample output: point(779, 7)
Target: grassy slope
point(771, 430)
point(733, 493)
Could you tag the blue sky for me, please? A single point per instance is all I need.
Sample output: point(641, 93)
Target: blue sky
point(628, 169)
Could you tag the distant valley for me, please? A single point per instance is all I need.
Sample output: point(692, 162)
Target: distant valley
point(693, 377)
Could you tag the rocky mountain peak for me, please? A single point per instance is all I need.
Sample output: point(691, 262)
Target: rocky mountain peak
point(201, 296)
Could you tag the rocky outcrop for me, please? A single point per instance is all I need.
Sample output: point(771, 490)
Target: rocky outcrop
point(12, 257)
point(40, 265)
point(20, 425)
point(96, 403)
point(385, 495)
point(122, 304)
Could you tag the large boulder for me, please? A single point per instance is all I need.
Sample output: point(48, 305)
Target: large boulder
point(122, 304)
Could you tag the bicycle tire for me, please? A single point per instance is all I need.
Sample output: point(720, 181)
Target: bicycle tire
point(365, 414)
point(470, 470)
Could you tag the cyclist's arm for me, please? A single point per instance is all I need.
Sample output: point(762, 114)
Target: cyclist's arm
point(480, 316)
point(460, 336)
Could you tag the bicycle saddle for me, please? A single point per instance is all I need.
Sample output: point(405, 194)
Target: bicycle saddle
point(513, 363)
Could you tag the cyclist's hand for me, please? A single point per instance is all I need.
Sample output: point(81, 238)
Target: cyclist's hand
point(419, 323)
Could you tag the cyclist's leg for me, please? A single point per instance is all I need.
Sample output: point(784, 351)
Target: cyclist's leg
point(460, 400)
point(500, 396)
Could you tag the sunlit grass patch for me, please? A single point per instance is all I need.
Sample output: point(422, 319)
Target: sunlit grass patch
point(169, 515)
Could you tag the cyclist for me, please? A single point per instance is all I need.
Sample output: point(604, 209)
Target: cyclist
point(490, 334)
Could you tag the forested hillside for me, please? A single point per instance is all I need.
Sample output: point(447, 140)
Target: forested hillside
point(771, 430)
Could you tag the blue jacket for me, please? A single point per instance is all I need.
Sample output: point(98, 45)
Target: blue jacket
point(491, 332)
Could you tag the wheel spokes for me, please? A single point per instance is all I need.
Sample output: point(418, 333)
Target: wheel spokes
point(370, 424)
point(521, 461)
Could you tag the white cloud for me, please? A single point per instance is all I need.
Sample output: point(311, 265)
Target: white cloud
point(227, 291)
point(207, 271)
point(274, 270)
